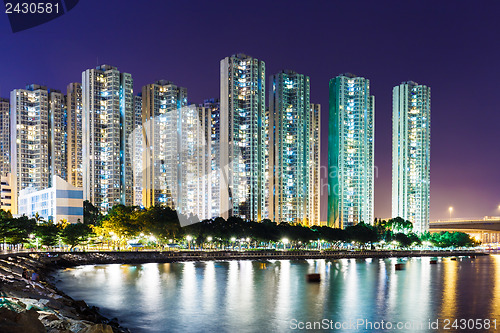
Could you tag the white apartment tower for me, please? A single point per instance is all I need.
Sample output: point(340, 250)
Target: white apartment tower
point(243, 135)
point(411, 105)
point(38, 145)
point(107, 123)
point(194, 162)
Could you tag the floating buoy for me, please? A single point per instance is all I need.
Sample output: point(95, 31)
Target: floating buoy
point(315, 277)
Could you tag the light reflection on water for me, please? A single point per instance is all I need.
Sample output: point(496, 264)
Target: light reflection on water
point(264, 296)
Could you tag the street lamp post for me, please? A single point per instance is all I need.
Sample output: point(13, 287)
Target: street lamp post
point(189, 238)
point(450, 209)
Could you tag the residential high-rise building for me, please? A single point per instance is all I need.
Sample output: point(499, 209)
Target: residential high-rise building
point(194, 163)
point(137, 150)
point(74, 137)
point(267, 193)
point(162, 103)
point(58, 135)
point(350, 151)
point(4, 137)
point(411, 119)
point(315, 165)
point(38, 132)
point(243, 134)
point(289, 147)
point(107, 123)
point(205, 207)
point(29, 129)
point(212, 111)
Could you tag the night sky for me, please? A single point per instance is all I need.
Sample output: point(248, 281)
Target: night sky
point(451, 46)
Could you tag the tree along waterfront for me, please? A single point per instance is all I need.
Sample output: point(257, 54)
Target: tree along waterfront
point(126, 227)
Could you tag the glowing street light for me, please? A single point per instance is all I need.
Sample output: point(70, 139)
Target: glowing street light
point(285, 242)
point(451, 210)
point(189, 238)
point(209, 238)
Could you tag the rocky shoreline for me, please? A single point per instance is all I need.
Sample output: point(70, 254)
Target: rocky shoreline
point(38, 306)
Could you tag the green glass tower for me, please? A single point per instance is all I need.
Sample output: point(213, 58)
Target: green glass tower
point(350, 151)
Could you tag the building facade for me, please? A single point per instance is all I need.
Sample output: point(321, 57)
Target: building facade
point(243, 136)
point(4, 136)
point(107, 124)
point(6, 192)
point(212, 112)
point(350, 151)
point(38, 124)
point(137, 150)
point(29, 126)
point(74, 135)
point(58, 159)
point(411, 105)
point(162, 104)
point(315, 165)
point(61, 201)
point(289, 147)
point(194, 163)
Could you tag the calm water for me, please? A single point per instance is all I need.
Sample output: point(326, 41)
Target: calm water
point(273, 296)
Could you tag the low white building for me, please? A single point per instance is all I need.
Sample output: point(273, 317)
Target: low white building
point(62, 201)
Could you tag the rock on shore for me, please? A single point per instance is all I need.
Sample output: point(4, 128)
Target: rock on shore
point(37, 306)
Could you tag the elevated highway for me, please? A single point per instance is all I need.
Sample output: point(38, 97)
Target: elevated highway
point(486, 229)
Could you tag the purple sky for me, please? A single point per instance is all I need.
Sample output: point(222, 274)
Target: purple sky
point(450, 46)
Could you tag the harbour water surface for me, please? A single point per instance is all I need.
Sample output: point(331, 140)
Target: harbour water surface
point(354, 295)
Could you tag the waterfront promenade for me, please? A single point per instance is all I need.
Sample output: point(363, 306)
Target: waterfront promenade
point(67, 259)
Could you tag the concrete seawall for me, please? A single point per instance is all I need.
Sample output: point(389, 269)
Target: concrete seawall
point(68, 259)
